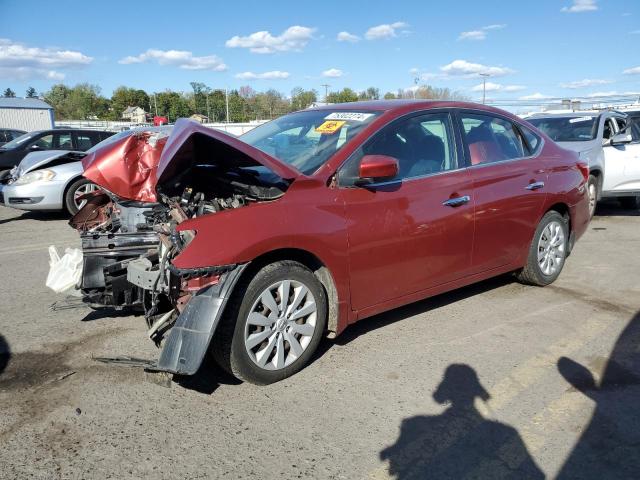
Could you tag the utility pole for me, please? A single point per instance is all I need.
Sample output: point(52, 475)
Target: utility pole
point(226, 101)
point(326, 91)
point(484, 86)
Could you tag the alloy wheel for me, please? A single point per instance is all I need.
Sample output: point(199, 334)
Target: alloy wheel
point(592, 198)
point(280, 325)
point(551, 248)
point(80, 191)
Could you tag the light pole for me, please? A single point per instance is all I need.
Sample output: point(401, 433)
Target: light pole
point(326, 91)
point(484, 86)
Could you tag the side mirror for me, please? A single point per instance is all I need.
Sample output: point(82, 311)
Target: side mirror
point(377, 167)
point(621, 139)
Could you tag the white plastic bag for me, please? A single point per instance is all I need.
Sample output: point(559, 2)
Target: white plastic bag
point(64, 272)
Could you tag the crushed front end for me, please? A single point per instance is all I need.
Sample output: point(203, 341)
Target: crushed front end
point(129, 244)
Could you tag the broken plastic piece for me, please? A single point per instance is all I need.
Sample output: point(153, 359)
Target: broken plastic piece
point(64, 272)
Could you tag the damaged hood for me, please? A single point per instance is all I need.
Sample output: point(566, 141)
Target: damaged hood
point(36, 160)
point(132, 166)
point(125, 164)
point(188, 136)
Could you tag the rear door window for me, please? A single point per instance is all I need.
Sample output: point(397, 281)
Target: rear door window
point(86, 140)
point(63, 141)
point(491, 139)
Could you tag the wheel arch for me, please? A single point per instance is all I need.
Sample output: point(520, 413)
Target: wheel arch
point(597, 172)
point(313, 263)
point(70, 182)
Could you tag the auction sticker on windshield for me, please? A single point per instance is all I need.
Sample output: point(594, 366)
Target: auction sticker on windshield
point(330, 126)
point(355, 116)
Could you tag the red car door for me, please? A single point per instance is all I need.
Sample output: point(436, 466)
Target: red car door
point(414, 231)
point(508, 181)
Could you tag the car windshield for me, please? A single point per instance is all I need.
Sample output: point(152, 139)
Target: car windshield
point(16, 142)
point(567, 129)
point(307, 139)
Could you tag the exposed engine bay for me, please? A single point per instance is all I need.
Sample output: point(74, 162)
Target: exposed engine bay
point(129, 245)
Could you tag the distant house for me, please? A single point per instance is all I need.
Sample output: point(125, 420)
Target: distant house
point(198, 117)
point(135, 114)
point(25, 114)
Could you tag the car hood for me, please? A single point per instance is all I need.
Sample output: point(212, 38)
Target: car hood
point(35, 160)
point(133, 167)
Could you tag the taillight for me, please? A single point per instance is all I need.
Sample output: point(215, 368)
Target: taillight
point(584, 168)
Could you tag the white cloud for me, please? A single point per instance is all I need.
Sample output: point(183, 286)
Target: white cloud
point(497, 87)
point(468, 69)
point(177, 58)
point(587, 82)
point(480, 34)
point(333, 73)
point(581, 6)
point(602, 94)
point(386, 30)
point(272, 75)
point(22, 62)
point(535, 96)
point(414, 71)
point(347, 37)
point(632, 71)
point(293, 38)
point(473, 35)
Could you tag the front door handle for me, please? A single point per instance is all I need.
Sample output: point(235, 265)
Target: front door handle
point(456, 202)
point(535, 186)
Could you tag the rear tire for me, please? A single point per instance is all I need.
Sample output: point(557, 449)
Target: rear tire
point(630, 203)
point(548, 251)
point(278, 341)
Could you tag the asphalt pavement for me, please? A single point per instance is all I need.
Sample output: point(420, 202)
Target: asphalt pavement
point(490, 381)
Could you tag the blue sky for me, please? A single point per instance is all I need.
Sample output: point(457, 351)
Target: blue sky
point(546, 48)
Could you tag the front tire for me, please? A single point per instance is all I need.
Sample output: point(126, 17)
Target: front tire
point(547, 252)
point(273, 324)
point(592, 188)
point(78, 188)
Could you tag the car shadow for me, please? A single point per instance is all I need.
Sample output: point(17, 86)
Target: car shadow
point(5, 354)
point(609, 446)
point(387, 318)
point(460, 442)
point(209, 377)
point(44, 216)
point(612, 208)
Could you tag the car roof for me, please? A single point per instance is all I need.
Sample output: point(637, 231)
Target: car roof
point(408, 105)
point(565, 114)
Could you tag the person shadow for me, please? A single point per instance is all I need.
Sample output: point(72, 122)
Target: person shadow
point(5, 354)
point(460, 442)
point(609, 446)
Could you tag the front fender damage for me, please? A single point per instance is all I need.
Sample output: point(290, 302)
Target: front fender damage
point(189, 339)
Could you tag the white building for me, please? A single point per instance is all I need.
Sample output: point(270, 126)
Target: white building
point(25, 114)
point(135, 115)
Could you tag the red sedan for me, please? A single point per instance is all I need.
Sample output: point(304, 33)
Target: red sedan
point(258, 247)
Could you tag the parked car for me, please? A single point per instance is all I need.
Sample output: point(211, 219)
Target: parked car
point(609, 142)
point(52, 179)
point(6, 135)
point(256, 247)
point(11, 153)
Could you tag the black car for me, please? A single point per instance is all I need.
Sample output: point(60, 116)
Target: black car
point(8, 134)
point(13, 152)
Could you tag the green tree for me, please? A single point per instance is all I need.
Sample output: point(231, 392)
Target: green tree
point(82, 102)
point(123, 97)
point(390, 96)
point(173, 105)
point(8, 93)
point(31, 93)
point(343, 96)
point(301, 99)
point(198, 101)
point(370, 93)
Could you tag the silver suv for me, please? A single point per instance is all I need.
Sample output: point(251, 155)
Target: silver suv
point(609, 141)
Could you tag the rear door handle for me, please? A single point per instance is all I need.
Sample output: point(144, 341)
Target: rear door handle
point(535, 186)
point(456, 202)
